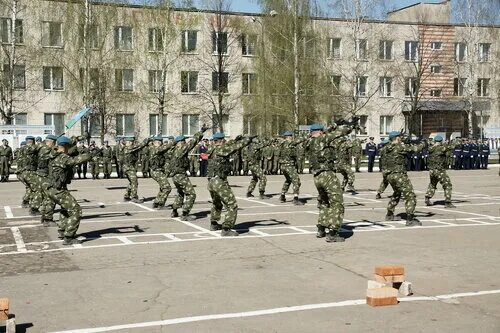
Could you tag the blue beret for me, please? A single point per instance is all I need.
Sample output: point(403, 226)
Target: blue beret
point(288, 133)
point(63, 140)
point(130, 138)
point(51, 137)
point(180, 138)
point(394, 134)
point(438, 138)
point(30, 137)
point(158, 138)
point(316, 127)
point(219, 136)
point(38, 139)
point(23, 143)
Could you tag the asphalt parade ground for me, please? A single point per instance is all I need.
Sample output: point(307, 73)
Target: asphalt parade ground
point(138, 270)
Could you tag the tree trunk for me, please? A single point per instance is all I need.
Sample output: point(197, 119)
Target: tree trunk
point(296, 76)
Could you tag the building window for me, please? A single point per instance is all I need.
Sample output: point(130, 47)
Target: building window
point(411, 51)
point(248, 44)
point(460, 52)
point(56, 120)
point(20, 119)
point(411, 87)
point(155, 126)
point(249, 83)
point(385, 86)
point(189, 40)
point(124, 79)
point(484, 52)
point(334, 48)
point(385, 50)
point(361, 51)
point(94, 126)
point(156, 81)
point(436, 69)
point(155, 39)
point(436, 92)
point(53, 78)
point(52, 34)
point(125, 125)
point(219, 42)
point(363, 120)
point(459, 86)
point(123, 38)
point(93, 78)
point(91, 39)
point(335, 81)
point(220, 82)
point(386, 124)
point(190, 124)
point(436, 45)
point(6, 31)
point(361, 86)
point(225, 124)
point(483, 87)
point(19, 82)
point(189, 82)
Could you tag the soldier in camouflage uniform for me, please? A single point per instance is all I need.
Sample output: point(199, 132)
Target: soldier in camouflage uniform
point(107, 160)
point(61, 173)
point(158, 152)
point(30, 152)
point(357, 153)
point(219, 167)
point(145, 161)
point(46, 154)
point(301, 158)
point(194, 162)
point(82, 168)
point(21, 160)
point(118, 150)
point(320, 150)
point(288, 164)
point(179, 163)
point(6, 157)
point(385, 182)
point(254, 156)
point(268, 157)
point(343, 165)
point(95, 154)
point(130, 156)
point(437, 163)
point(276, 157)
point(394, 162)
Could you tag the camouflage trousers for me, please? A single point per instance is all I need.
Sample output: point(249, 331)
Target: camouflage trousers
point(35, 190)
point(357, 162)
point(347, 174)
point(94, 168)
point(165, 187)
point(4, 166)
point(439, 176)
point(47, 205)
point(402, 189)
point(185, 193)
point(257, 176)
point(133, 183)
point(222, 197)
point(71, 212)
point(291, 177)
point(331, 200)
point(27, 192)
point(383, 184)
point(106, 166)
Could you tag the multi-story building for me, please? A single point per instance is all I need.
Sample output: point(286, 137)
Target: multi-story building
point(414, 70)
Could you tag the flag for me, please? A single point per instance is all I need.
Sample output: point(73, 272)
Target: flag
point(82, 113)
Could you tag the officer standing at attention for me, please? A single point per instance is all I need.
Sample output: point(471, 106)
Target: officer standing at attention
point(5, 160)
point(219, 167)
point(457, 154)
point(357, 153)
point(466, 148)
point(61, 173)
point(394, 162)
point(95, 154)
point(379, 146)
point(437, 171)
point(107, 159)
point(371, 152)
point(474, 155)
point(484, 150)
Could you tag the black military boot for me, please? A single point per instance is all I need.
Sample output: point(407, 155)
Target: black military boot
point(155, 205)
point(174, 213)
point(71, 241)
point(282, 198)
point(46, 222)
point(378, 196)
point(249, 195)
point(297, 202)
point(214, 226)
point(226, 232)
point(428, 201)
point(448, 204)
point(137, 200)
point(262, 195)
point(60, 234)
point(333, 237)
point(411, 221)
point(126, 199)
point(25, 204)
point(390, 217)
point(321, 232)
point(34, 212)
point(186, 217)
point(351, 189)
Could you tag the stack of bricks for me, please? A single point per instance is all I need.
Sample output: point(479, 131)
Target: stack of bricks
point(389, 280)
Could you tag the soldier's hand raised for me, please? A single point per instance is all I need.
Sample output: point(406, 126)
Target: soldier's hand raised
point(204, 128)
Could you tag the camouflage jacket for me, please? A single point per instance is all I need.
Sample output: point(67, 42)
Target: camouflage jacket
point(395, 156)
point(180, 157)
point(6, 152)
point(61, 169)
point(219, 160)
point(254, 152)
point(288, 150)
point(107, 153)
point(344, 152)
point(157, 155)
point(438, 155)
point(131, 156)
point(45, 155)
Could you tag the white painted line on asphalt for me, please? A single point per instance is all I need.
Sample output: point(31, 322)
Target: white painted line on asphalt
point(78, 246)
point(124, 240)
point(300, 230)
point(143, 207)
point(258, 232)
point(197, 227)
point(442, 222)
point(463, 212)
point(477, 221)
point(256, 201)
point(272, 311)
point(8, 212)
point(171, 237)
point(18, 238)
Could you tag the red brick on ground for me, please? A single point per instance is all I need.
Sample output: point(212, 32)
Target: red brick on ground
point(4, 308)
point(389, 278)
point(389, 270)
